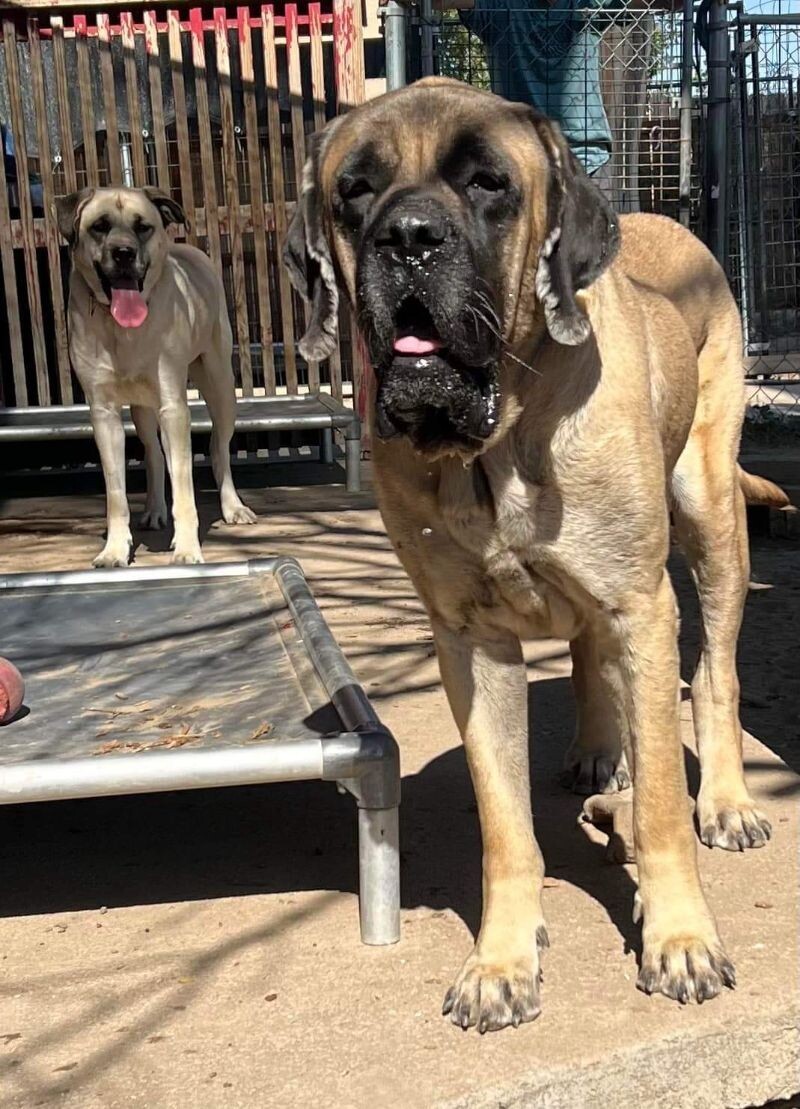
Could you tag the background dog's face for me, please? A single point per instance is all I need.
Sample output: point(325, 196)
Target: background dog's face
point(118, 244)
point(461, 227)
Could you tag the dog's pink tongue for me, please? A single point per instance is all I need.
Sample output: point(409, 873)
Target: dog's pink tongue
point(128, 307)
point(412, 344)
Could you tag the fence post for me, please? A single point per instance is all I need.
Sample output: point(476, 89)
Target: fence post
point(394, 36)
point(685, 157)
point(426, 37)
point(717, 158)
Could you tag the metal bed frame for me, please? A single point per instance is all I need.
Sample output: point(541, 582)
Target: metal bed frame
point(312, 411)
point(362, 757)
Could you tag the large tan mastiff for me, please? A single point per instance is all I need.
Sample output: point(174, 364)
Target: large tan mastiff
point(551, 381)
point(146, 314)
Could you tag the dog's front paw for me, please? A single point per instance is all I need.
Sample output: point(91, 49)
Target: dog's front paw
point(117, 553)
point(493, 994)
point(731, 823)
point(685, 961)
point(187, 556)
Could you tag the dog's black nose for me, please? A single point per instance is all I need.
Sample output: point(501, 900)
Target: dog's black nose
point(123, 255)
point(411, 233)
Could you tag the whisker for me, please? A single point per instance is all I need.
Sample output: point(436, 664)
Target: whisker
point(506, 352)
point(475, 320)
point(521, 362)
point(492, 327)
point(489, 304)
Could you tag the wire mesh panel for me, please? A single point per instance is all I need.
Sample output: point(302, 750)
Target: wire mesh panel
point(765, 218)
point(610, 74)
point(211, 105)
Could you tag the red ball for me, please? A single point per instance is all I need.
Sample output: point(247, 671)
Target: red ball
point(12, 691)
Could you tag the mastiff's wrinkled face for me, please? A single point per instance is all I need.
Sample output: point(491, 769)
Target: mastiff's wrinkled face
point(461, 228)
point(118, 244)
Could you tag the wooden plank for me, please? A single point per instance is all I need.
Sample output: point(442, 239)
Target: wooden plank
point(11, 294)
point(26, 210)
point(109, 98)
point(156, 100)
point(348, 55)
point(85, 96)
point(231, 180)
point(204, 126)
point(181, 125)
point(317, 64)
point(298, 137)
point(63, 100)
point(140, 177)
point(52, 236)
point(278, 191)
point(295, 94)
point(256, 197)
point(318, 96)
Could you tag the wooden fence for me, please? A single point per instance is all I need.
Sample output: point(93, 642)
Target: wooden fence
point(214, 111)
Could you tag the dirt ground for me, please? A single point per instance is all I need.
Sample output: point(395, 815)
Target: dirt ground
point(201, 949)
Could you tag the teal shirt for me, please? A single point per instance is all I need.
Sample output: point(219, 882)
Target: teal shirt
point(548, 55)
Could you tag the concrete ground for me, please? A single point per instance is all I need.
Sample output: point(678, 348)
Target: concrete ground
point(202, 949)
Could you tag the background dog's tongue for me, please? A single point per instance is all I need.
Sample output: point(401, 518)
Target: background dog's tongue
point(412, 344)
point(128, 307)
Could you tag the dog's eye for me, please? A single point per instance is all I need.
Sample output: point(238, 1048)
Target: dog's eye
point(101, 226)
point(483, 182)
point(352, 189)
point(144, 228)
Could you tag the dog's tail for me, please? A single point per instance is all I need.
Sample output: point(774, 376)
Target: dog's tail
point(759, 491)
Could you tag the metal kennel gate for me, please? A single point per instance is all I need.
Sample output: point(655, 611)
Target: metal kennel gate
point(764, 240)
point(702, 105)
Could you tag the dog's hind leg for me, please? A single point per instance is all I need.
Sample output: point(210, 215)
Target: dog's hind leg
point(213, 375)
point(711, 526)
point(145, 421)
point(596, 760)
point(487, 687)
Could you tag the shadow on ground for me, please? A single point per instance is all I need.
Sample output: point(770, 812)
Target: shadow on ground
point(221, 843)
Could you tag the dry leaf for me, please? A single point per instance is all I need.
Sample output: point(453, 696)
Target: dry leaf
point(261, 730)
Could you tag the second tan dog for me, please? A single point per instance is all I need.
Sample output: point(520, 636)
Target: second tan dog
point(145, 315)
point(551, 380)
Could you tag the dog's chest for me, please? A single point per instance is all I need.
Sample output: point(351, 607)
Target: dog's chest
point(511, 525)
point(115, 362)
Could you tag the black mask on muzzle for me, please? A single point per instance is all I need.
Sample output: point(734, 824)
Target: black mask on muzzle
point(436, 403)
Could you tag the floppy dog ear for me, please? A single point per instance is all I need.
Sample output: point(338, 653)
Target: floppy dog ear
point(581, 241)
point(67, 212)
point(307, 257)
point(169, 209)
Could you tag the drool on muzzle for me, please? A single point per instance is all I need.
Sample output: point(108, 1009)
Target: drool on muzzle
point(434, 402)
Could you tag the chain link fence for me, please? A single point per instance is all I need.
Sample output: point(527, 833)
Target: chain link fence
point(764, 258)
point(614, 72)
point(634, 81)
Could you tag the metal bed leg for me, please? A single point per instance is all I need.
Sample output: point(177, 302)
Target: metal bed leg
point(326, 446)
point(352, 457)
point(379, 875)
point(367, 764)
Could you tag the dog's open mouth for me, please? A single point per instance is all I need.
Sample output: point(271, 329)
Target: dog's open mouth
point(415, 332)
point(124, 294)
